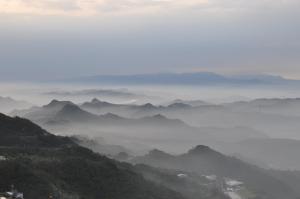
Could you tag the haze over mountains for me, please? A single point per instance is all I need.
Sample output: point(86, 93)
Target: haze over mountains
point(205, 161)
point(267, 153)
point(106, 94)
point(256, 139)
point(149, 99)
point(200, 78)
point(78, 172)
point(150, 129)
point(53, 166)
point(126, 125)
point(179, 125)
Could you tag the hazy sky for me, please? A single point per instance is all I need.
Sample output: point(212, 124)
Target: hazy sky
point(58, 38)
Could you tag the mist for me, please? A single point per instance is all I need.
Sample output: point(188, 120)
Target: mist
point(170, 118)
point(149, 99)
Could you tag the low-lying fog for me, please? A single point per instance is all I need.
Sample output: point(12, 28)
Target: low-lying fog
point(39, 94)
point(136, 119)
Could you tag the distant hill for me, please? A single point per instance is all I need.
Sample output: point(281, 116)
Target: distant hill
point(193, 103)
point(58, 112)
point(204, 160)
point(152, 131)
point(42, 114)
point(126, 110)
point(72, 113)
point(160, 120)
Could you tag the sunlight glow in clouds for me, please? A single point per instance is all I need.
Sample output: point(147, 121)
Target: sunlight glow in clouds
point(91, 7)
point(72, 37)
point(99, 7)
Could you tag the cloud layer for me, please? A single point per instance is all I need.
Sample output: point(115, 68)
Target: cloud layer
point(91, 7)
point(86, 37)
point(96, 7)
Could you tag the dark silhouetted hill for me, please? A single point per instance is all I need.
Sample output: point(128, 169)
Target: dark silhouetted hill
point(42, 165)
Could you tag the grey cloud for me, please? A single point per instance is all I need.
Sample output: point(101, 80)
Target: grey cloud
point(257, 40)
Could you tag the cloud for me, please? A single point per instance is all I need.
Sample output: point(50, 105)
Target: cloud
point(98, 7)
point(101, 7)
point(45, 7)
point(154, 36)
point(91, 7)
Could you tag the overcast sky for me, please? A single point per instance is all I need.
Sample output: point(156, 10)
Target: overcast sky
point(66, 38)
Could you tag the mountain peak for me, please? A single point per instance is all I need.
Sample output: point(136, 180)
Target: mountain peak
point(200, 149)
point(163, 120)
point(112, 116)
point(95, 101)
point(148, 105)
point(70, 108)
point(72, 112)
point(57, 103)
point(191, 103)
point(159, 116)
point(155, 153)
point(179, 105)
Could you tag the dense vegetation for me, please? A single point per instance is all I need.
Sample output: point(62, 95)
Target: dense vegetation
point(40, 164)
point(23, 133)
point(74, 172)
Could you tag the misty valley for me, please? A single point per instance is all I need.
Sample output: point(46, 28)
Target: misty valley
point(122, 144)
point(149, 99)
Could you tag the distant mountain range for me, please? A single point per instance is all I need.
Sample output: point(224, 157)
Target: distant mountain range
point(232, 128)
point(193, 103)
point(276, 117)
point(66, 111)
point(201, 78)
point(152, 129)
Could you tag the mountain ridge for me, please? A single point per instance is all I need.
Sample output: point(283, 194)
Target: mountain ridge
point(206, 161)
point(66, 170)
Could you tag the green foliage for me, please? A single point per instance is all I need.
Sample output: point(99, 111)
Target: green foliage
point(76, 172)
point(40, 164)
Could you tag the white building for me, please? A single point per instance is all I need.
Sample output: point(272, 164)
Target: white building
point(2, 158)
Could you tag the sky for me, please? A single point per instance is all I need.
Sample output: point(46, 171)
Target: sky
point(52, 39)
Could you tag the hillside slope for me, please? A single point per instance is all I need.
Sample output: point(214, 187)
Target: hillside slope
point(205, 161)
point(41, 164)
